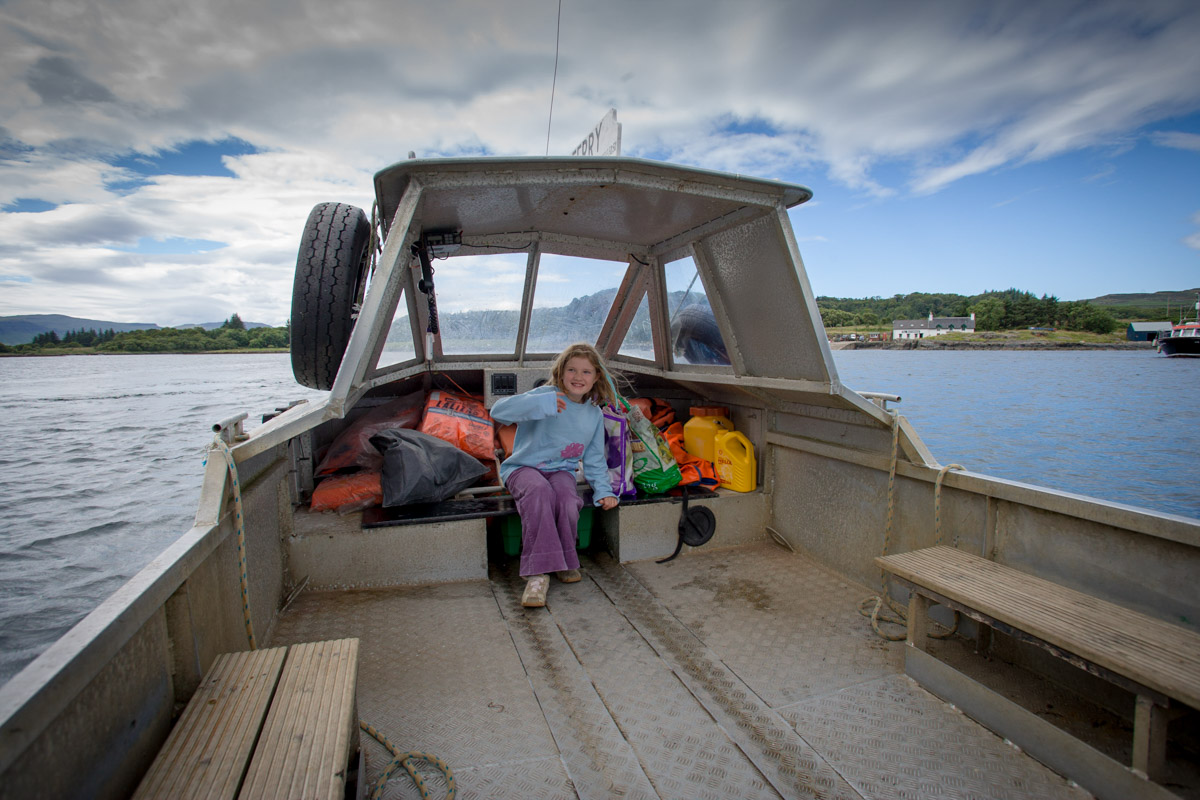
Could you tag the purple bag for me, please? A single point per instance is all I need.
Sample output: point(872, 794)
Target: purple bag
point(618, 452)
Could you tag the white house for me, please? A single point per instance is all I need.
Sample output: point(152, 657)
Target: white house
point(933, 326)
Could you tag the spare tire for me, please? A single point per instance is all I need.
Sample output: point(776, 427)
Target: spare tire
point(331, 276)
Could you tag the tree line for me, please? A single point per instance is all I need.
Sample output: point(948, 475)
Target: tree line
point(993, 310)
point(231, 335)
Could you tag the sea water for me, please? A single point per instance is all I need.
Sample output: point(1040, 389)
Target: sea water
point(102, 457)
point(100, 470)
point(1115, 425)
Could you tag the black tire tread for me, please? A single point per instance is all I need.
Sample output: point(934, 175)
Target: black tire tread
point(329, 268)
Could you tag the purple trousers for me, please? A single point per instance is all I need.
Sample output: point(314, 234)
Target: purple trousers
point(549, 507)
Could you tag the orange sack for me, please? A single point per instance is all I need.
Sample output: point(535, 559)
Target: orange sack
point(461, 421)
point(346, 493)
point(505, 437)
point(658, 411)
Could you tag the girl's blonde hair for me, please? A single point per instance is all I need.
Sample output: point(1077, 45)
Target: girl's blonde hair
point(602, 392)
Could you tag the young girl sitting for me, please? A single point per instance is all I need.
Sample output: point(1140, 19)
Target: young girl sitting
point(558, 425)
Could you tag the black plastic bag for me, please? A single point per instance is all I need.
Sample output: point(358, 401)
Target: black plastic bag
point(419, 468)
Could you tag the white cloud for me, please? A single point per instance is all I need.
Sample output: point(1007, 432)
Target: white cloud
point(1193, 241)
point(880, 97)
point(1178, 140)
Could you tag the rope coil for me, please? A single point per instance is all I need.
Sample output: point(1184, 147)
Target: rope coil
point(405, 760)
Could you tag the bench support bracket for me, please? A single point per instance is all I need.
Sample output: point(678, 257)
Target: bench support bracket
point(1149, 737)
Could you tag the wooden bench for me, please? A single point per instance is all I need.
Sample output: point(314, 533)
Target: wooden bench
point(1157, 661)
point(280, 722)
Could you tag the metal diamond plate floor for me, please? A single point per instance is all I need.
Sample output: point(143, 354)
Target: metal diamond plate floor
point(742, 672)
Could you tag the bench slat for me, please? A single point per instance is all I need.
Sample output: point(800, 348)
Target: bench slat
point(306, 740)
point(207, 751)
point(1036, 599)
point(1154, 653)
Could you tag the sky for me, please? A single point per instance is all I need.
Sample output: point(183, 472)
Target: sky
point(158, 159)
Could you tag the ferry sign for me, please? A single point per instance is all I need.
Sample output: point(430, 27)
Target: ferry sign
point(604, 139)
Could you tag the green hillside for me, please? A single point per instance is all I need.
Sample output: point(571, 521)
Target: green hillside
point(1150, 307)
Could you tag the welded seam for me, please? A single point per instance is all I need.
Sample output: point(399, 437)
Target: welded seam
point(547, 665)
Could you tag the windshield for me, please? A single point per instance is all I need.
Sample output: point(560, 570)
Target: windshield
point(479, 309)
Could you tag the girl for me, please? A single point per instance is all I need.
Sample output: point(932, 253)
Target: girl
point(559, 425)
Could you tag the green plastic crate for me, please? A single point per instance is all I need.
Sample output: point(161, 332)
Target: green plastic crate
point(510, 531)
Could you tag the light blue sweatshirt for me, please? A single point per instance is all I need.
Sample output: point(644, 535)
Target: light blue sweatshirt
point(553, 441)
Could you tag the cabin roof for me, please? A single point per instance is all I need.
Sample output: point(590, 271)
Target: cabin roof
point(640, 204)
point(735, 229)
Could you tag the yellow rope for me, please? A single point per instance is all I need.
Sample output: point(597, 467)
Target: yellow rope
point(899, 614)
point(219, 444)
point(404, 760)
point(878, 601)
point(937, 501)
point(891, 491)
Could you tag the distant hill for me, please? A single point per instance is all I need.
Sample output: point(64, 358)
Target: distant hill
point(1156, 306)
point(22, 328)
point(1157, 298)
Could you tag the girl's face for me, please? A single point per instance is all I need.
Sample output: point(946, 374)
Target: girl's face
point(579, 376)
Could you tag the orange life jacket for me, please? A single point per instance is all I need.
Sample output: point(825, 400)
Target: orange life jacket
point(695, 470)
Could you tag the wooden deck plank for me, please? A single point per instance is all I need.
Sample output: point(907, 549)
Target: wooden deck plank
point(207, 751)
point(1154, 653)
point(305, 743)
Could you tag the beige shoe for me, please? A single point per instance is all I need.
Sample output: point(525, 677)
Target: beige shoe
point(569, 576)
point(535, 591)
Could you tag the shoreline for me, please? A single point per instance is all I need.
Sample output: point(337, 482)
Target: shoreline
point(248, 350)
point(934, 344)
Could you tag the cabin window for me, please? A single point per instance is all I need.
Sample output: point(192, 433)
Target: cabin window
point(478, 305)
point(638, 341)
point(695, 337)
point(571, 301)
point(479, 302)
point(398, 344)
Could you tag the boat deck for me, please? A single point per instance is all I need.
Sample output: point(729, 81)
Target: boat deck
point(743, 672)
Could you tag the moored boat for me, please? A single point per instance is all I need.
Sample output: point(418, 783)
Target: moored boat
point(741, 668)
point(1183, 340)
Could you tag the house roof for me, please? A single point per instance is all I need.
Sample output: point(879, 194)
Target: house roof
point(933, 324)
point(1150, 326)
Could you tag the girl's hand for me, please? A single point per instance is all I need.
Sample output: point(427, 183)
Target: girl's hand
point(608, 503)
point(562, 402)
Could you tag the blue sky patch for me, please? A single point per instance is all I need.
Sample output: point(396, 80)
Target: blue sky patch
point(734, 126)
point(27, 205)
point(192, 158)
point(172, 246)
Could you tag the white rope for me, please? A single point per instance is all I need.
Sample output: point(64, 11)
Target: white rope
point(240, 521)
